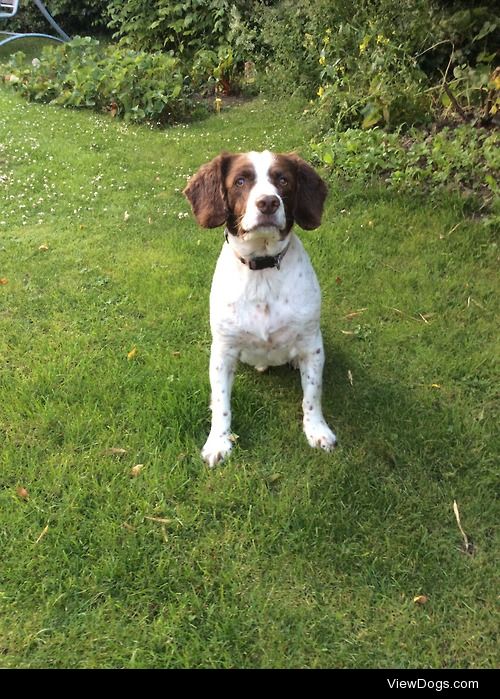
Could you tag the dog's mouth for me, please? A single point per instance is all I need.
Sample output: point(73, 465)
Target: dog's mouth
point(262, 231)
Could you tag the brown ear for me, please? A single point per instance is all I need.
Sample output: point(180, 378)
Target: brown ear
point(205, 191)
point(311, 195)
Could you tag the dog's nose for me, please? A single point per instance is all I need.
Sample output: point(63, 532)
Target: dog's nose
point(268, 204)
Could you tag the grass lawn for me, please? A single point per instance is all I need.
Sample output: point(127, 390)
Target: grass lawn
point(283, 556)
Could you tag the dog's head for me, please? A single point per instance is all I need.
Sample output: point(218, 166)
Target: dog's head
point(255, 193)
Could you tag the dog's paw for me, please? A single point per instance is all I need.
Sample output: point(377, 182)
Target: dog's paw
point(216, 449)
point(319, 435)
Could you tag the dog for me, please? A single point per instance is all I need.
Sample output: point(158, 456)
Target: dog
point(265, 298)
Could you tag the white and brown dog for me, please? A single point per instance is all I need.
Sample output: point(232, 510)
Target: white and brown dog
point(265, 299)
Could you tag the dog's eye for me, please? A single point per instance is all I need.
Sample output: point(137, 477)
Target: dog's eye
point(239, 182)
point(282, 181)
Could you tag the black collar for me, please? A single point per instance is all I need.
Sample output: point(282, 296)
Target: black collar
point(265, 262)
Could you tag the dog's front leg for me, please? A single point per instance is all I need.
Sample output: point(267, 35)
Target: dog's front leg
point(222, 367)
point(311, 373)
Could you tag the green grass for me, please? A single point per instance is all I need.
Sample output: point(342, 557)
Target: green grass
point(283, 556)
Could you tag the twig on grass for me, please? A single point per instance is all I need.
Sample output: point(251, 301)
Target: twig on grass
point(454, 102)
point(160, 520)
point(468, 545)
point(42, 534)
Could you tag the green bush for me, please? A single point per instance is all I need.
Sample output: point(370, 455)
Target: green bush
point(294, 53)
point(136, 85)
point(80, 17)
point(380, 62)
point(228, 68)
point(182, 27)
point(216, 38)
point(374, 83)
point(283, 56)
point(464, 158)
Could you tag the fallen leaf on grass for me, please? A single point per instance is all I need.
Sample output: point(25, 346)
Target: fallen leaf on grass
point(135, 470)
point(273, 478)
point(43, 248)
point(132, 353)
point(421, 599)
point(115, 451)
point(22, 492)
point(349, 376)
point(353, 314)
point(3, 281)
point(234, 437)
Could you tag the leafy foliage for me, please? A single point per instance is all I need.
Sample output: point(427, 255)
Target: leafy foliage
point(134, 84)
point(383, 63)
point(83, 16)
point(463, 158)
point(182, 27)
point(375, 83)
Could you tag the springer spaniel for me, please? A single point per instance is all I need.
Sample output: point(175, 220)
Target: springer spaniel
point(265, 298)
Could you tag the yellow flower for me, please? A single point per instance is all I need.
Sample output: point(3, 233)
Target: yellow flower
point(364, 44)
point(322, 60)
point(321, 91)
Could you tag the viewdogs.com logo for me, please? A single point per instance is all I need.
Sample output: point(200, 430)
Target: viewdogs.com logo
point(437, 685)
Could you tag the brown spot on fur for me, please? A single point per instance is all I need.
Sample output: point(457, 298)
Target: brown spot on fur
point(205, 192)
point(310, 196)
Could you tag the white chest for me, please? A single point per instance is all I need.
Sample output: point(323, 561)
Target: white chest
point(266, 316)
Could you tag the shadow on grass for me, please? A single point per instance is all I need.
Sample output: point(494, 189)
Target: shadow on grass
point(415, 431)
point(381, 424)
